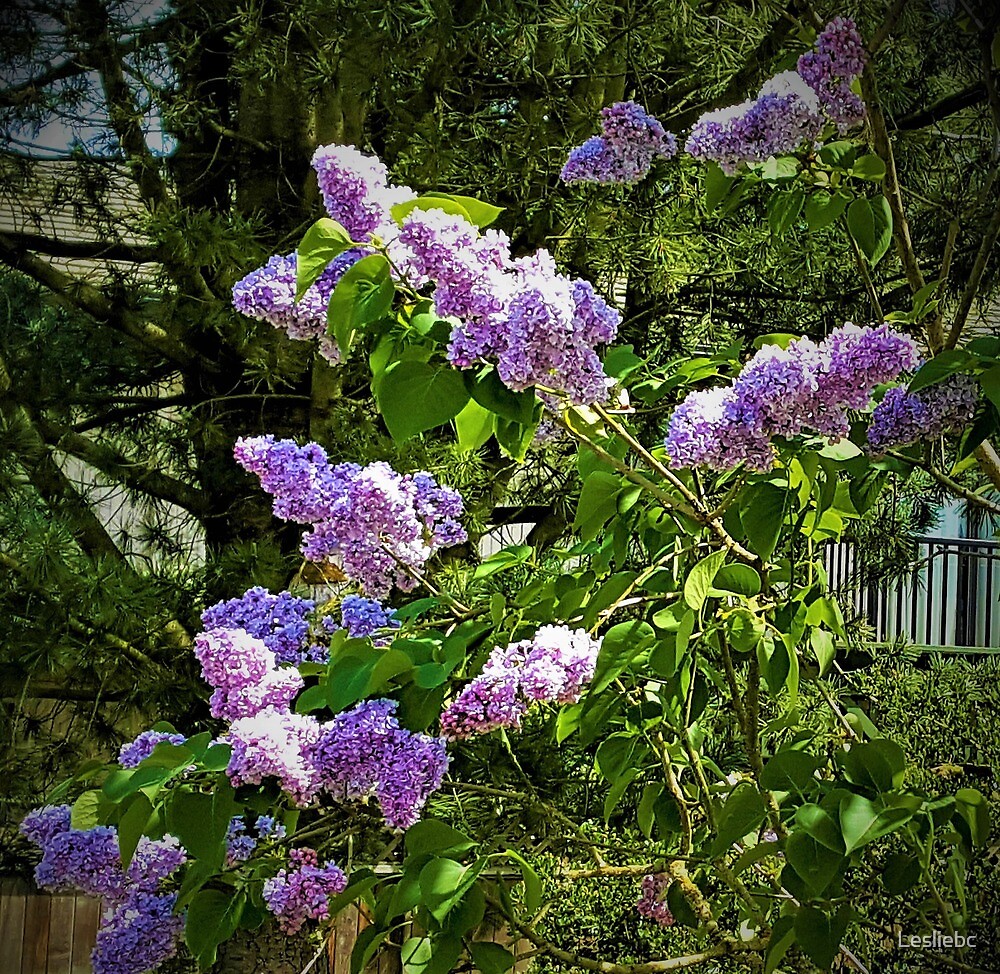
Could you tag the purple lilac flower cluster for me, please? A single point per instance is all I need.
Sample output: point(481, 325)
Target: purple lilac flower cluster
point(631, 140)
point(905, 417)
point(784, 115)
point(281, 621)
point(792, 108)
point(135, 752)
point(806, 387)
point(357, 194)
point(244, 673)
point(268, 294)
point(372, 521)
point(364, 751)
point(302, 891)
point(139, 929)
point(356, 191)
point(240, 845)
point(551, 667)
point(838, 59)
point(363, 618)
point(651, 904)
point(538, 326)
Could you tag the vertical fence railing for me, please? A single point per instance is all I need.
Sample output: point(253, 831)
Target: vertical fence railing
point(949, 596)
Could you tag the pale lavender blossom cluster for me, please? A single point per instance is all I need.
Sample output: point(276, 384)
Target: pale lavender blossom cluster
point(839, 59)
point(281, 621)
point(652, 903)
point(364, 752)
point(551, 667)
point(792, 108)
point(139, 929)
point(373, 522)
point(135, 752)
point(631, 140)
point(268, 294)
point(904, 417)
point(302, 891)
point(806, 387)
point(539, 327)
point(244, 673)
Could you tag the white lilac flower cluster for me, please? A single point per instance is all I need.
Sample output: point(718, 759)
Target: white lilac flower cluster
point(630, 141)
point(139, 929)
point(792, 108)
point(551, 667)
point(378, 525)
point(806, 387)
point(539, 327)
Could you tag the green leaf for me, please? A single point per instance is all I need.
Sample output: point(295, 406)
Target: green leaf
point(869, 167)
point(878, 764)
point(870, 224)
point(201, 821)
point(480, 213)
point(532, 884)
point(621, 645)
point(782, 211)
point(212, 918)
point(699, 580)
point(941, 367)
point(443, 882)
point(717, 186)
point(366, 946)
point(814, 864)
point(416, 396)
point(762, 513)
point(838, 155)
point(739, 579)
point(817, 822)
point(132, 825)
point(505, 558)
point(431, 835)
point(323, 241)
point(423, 955)
point(90, 810)
point(823, 209)
point(490, 958)
point(474, 426)
point(823, 648)
point(430, 201)
point(363, 295)
point(488, 390)
point(597, 503)
point(620, 361)
point(862, 821)
point(790, 771)
point(975, 810)
point(818, 935)
point(743, 812)
point(989, 381)
point(782, 937)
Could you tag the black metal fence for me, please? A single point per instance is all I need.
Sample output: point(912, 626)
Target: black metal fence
point(949, 596)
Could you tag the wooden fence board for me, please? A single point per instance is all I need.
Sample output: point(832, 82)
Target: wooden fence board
point(61, 929)
point(87, 914)
point(36, 934)
point(12, 906)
